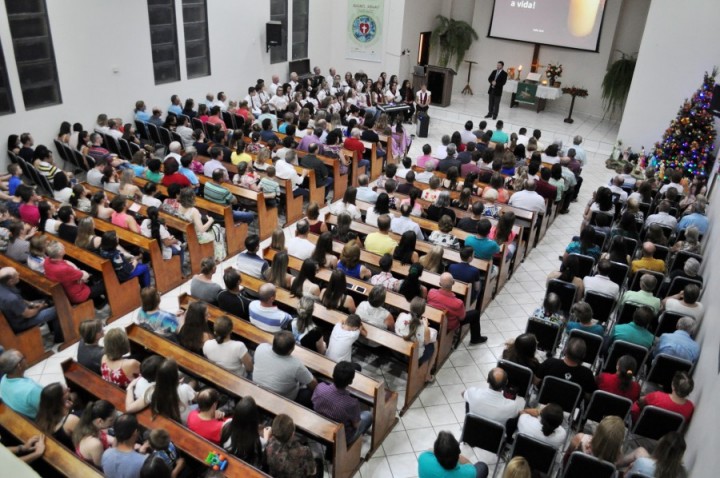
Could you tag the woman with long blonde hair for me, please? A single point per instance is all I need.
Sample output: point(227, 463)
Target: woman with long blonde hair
point(432, 261)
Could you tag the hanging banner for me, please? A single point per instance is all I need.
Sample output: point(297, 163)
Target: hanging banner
point(365, 29)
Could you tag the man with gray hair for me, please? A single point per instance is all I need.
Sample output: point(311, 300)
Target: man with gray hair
point(528, 198)
point(174, 149)
point(444, 298)
point(450, 160)
point(18, 392)
point(441, 150)
point(299, 246)
point(580, 153)
point(264, 314)
point(429, 173)
point(680, 343)
point(644, 296)
point(697, 218)
point(22, 314)
point(402, 223)
point(364, 191)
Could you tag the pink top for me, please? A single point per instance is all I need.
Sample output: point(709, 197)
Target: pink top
point(119, 219)
point(421, 160)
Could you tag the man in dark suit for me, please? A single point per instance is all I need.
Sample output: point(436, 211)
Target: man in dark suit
point(311, 161)
point(497, 80)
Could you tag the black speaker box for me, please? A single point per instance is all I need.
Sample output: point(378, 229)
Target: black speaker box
point(273, 33)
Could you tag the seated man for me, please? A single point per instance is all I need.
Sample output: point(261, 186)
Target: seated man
point(644, 296)
point(18, 392)
point(264, 314)
point(444, 298)
point(215, 192)
point(570, 367)
point(22, 314)
point(380, 242)
point(636, 332)
point(601, 281)
point(299, 246)
point(276, 369)
point(482, 245)
point(490, 402)
point(697, 218)
point(690, 270)
point(469, 224)
point(332, 400)
point(686, 302)
point(680, 343)
point(249, 261)
point(123, 460)
point(445, 460)
point(232, 299)
point(676, 401)
point(662, 217)
point(582, 314)
point(207, 421)
point(466, 272)
point(647, 261)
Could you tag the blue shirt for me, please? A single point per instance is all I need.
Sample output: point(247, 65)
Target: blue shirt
point(596, 329)
point(698, 220)
point(484, 248)
point(188, 173)
point(122, 464)
point(175, 109)
point(576, 248)
point(13, 183)
point(143, 116)
point(21, 394)
point(499, 136)
point(138, 169)
point(678, 344)
point(429, 467)
point(464, 272)
point(634, 334)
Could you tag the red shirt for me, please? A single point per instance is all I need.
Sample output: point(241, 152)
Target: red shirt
point(209, 429)
point(30, 214)
point(176, 178)
point(445, 300)
point(69, 277)
point(663, 400)
point(545, 189)
point(610, 382)
point(354, 144)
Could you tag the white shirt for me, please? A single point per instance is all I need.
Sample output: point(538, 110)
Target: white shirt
point(254, 103)
point(523, 139)
point(602, 285)
point(274, 87)
point(532, 427)
point(580, 154)
point(529, 200)
point(492, 405)
point(300, 247)
point(423, 95)
point(678, 187)
point(674, 305)
point(440, 152)
point(402, 328)
point(467, 136)
point(618, 190)
point(115, 133)
point(341, 207)
point(211, 166)
point(372, 315)
point(662, 218)
point(279, 103)
point(550, 159)
point(399, 225)
point(227, 355)
point(341, 342)
point(285, 170)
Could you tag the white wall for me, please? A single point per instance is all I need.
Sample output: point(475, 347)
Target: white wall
point(679, 44)
point(92, 37)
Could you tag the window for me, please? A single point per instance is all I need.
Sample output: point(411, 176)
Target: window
point(163, 38)
point(279, 12)
point(300, 29)
point(6, 101)
point(197, 49)
point(34, 54)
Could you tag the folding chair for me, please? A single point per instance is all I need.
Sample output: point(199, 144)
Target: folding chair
point(489, 435)
point(197, 124)
point(661, 252)
point(593, 345)
point(154, 133)
point(142, 129)
point(645, 209)
point(603, 404)
point(636, 279)
point(679, 284)
point(602, 305)
point(540, 456)
point(126, 152)
point(547, 333)
point(630, 246)
point(663, 369)
point(86, 163)
point(620, 348)
point(520, 378)
point(585, 265)
point(667, 323)
point(176, 137)
point(565, 291)
point(565, 393)
point(618, 273)
point(654, 423)
point(61, 150)
point(165, 138)
point(239, 122)
point(581, 465)
point(625, 314)
point(229, 120)
point(679, 261)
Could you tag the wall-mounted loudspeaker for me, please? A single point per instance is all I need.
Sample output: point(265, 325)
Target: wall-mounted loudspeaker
point(273, 34)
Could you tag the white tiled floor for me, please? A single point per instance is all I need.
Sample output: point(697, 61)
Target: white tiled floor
point(440, 406)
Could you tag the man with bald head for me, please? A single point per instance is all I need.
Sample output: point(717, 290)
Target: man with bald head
point(264, 314)
point(490, 402)
point(444, 298)
point(18, 392)
point(648, 261)
point(22, 314)
point(528, 198)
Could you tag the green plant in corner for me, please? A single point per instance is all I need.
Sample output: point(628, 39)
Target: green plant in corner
point(454, 37)
point(616, 83)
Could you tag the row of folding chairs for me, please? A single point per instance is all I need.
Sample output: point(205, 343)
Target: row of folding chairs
point(157, 134)
point(31, 173)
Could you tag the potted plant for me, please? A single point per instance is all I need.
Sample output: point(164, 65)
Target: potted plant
point(454, 38)
point(553, 72)
point(616, 83)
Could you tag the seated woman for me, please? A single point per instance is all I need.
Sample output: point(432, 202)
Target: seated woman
point(414, 327)
point(372, 310)
point(90, 351)
point(405, 251)
point(90, 437)
point(381, 207)
point(167, 396)
point(569, 273)
point(666, 460)
point(432, 261)
point(350, 264)
point(581, 318)
point(313, 217)
point(605, 444)
point(543, 424)
point(601, 202)
point(277, 273)
point(342, 232)
point(323, 251)
point(503, 234)
point(304, 284)
point(656, 235)
point(153, 227)
point(617, 251)
point(232, 355)
point(621, 382)
point(522, 351)
point(195, 330)
point(99, 206)
point(334, 296)
point(691, 242)
point(114, 367)
point(205, 228)
point(441, 207)
point(585, 245)
point(120, 216)
point(202, 285)
point(550, 310)
point(304, 330)
point(443, 236)
point(150, 315)
point(627, 227)
point(126, 266)
point(55, 417)
point(411, 286)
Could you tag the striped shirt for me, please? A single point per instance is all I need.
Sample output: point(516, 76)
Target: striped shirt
point(269, 319)
point(217, 194)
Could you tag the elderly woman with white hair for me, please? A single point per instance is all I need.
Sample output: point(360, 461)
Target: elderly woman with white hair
point(441, 207)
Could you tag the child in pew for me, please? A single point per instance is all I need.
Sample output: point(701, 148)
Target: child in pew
point(270, 188)
point(165, 449)
point(343, 336)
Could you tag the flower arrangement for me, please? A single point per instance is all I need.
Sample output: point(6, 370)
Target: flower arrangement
point(554, 71)
point(575, 91)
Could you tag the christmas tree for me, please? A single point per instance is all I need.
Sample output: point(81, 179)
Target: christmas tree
point(688, 141)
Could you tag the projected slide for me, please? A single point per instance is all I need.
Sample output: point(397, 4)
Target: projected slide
point(565, 23)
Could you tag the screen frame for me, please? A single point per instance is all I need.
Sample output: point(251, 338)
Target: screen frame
point(597, 44)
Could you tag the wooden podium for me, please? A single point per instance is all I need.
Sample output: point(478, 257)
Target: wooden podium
point(440, 82)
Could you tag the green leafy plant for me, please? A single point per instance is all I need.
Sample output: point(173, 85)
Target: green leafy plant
point(454, 38)
point(616, 83)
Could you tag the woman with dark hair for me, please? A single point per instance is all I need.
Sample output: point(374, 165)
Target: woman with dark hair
point(617, 251)
point(55, 417)
point(556, 179)
point(205, 228)
point(382, 206)
point(79, 198)
point(602, 202)
point(189, 110)
point(664, 462)
point(411, 286)
point(244, 439)
point(451, 179)
point(47, 222)
point(195, 331)
point(90, 437)
point(443, 235)
point(350, 264)
point(408, 98)
point(334, 296)
point(627, 227)
point(503, 233)
point(464, 201)
point(151, 316)
point(347, 204)
point(13, 143)
point(120, 216)
point(585, 244)
point(441, 207)
point(125, 267)
point(154, 228)
point(405, 251)
point(172, 174)
point(166, 396)
point(129, 134)
point(656, 235)
point(342, 232)
point(522, 351)
point(543, 425)
point(569, 273)
point(109, 180)
point(202, 285)
point(312, 214)
point(229, 354)
point(622, 382)
point(456, 139)
point(62, 189)
point(99, 206)
point(323, 251)
point(304, 284)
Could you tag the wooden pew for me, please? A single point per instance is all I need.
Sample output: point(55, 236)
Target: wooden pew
point(415, 373)
point(368, 390)
point(376, 162)
point(64, 461)
point(340, 181)
point(235, 233)
point(346, 459)
point(69, 316)
point(29, 342)
point(80, 378)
